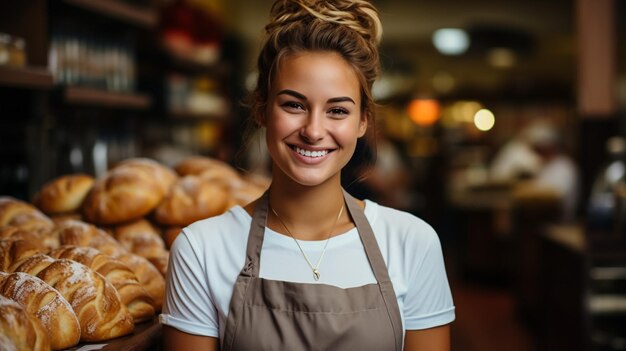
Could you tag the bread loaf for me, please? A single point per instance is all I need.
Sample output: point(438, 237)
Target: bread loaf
point(132, 294)
point(148, 275)
point(195, 165)
point(14, 251)
point(96, 303)
point(191, 199)
point(43, 238)
point(23, 215)
point(142, 238)
point(170, 234)
point(77, 233)
point(161, 174)
point(123, 194)
point(46, 303)
point(19, 330)
point(63, 194)
point(82, 234)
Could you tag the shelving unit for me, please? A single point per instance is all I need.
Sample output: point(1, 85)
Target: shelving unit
point(140, 16)
point(105, 99)
point(51, 125)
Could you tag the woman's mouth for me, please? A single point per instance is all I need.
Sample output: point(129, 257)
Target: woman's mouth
point(310, 153)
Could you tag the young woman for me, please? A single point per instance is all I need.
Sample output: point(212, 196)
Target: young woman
point(307, 266)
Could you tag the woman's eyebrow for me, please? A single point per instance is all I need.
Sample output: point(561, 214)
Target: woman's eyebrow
point(292, 93)
point(302, 97)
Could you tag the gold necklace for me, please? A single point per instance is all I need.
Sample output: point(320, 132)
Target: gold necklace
point(316, 272)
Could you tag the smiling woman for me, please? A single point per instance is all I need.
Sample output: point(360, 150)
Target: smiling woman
point(293, 270)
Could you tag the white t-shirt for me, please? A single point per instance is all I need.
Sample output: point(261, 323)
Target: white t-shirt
point(207, 257)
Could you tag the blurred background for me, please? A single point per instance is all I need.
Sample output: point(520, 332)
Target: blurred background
point(501, 123)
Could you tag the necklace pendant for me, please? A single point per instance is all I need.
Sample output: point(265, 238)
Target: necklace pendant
point(316, 274)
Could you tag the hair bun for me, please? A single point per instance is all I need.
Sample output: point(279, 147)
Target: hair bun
point(359, 15)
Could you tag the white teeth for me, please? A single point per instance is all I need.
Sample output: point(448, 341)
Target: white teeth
point(309, 153)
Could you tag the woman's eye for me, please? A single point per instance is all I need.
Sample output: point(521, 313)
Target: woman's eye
point(291, 105)
point(338, 111)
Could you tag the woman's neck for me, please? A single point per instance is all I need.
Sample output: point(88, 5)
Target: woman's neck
point(309, 212)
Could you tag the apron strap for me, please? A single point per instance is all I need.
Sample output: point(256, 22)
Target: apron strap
point(255, 237)
point(375, 257)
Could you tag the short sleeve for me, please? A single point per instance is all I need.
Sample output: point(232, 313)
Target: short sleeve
point(188, 304)
point(428, 301)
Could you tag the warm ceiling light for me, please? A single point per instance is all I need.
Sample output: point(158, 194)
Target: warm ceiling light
point(501, 57)
point(451, 41)
point(424, 112)
point(484, 119)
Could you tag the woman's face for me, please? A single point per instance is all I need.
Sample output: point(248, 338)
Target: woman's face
point(313, 117)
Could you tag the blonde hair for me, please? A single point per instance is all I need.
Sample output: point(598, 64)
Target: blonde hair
point(350, 28)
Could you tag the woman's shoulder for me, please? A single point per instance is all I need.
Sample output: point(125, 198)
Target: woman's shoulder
point(226, 226)
point(398, 223)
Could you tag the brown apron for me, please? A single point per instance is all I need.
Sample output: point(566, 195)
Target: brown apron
point(277, 315)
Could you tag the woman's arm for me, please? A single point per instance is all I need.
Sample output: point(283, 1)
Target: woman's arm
point(174, 339)
point(433, 339)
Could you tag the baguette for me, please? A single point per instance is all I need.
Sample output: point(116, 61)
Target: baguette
point(96, 303)
point(46, 303)
point(19, 330)
point(132, 294)
point(64, 194)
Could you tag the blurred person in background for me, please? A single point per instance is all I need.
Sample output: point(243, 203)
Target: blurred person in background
point(557, 175)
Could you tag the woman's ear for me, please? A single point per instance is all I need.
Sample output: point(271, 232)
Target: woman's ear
point(260, 118)
point(363, 124)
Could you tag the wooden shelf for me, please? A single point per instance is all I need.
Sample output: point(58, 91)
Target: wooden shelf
point(103, 98)
point(141, 16)
point(188, 64)
point(26, 77)
point(196, 116)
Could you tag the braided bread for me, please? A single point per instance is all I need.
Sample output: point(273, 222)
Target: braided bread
point(44, 302)
point(162, 175)
point(19, 330)
point(83, 234)
point(133, 295)
point(142, 238)
point(95, 301)
point(22, 215)
point(78, 233)
point(42, 238)
point(196, 165)
point(14, 251)
point(63, 194)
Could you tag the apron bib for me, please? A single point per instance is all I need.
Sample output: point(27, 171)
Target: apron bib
point(276, 315)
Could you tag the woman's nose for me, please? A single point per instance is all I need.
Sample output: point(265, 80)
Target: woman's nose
point(313, 129)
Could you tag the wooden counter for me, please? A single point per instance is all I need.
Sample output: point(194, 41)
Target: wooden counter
point(146, 336)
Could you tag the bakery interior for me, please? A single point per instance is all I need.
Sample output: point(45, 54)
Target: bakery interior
point(94, 89)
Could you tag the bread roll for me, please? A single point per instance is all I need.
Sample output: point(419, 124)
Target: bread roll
point(77, 233)
point(96, 303)
point(46, 303)
point(19, 330)
point(43, 238)
point(142, 238)
point(148, 275)
point(63, 194)
point(22, 215)
point(133, 295)
point(191, 199)
point(14, 251)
